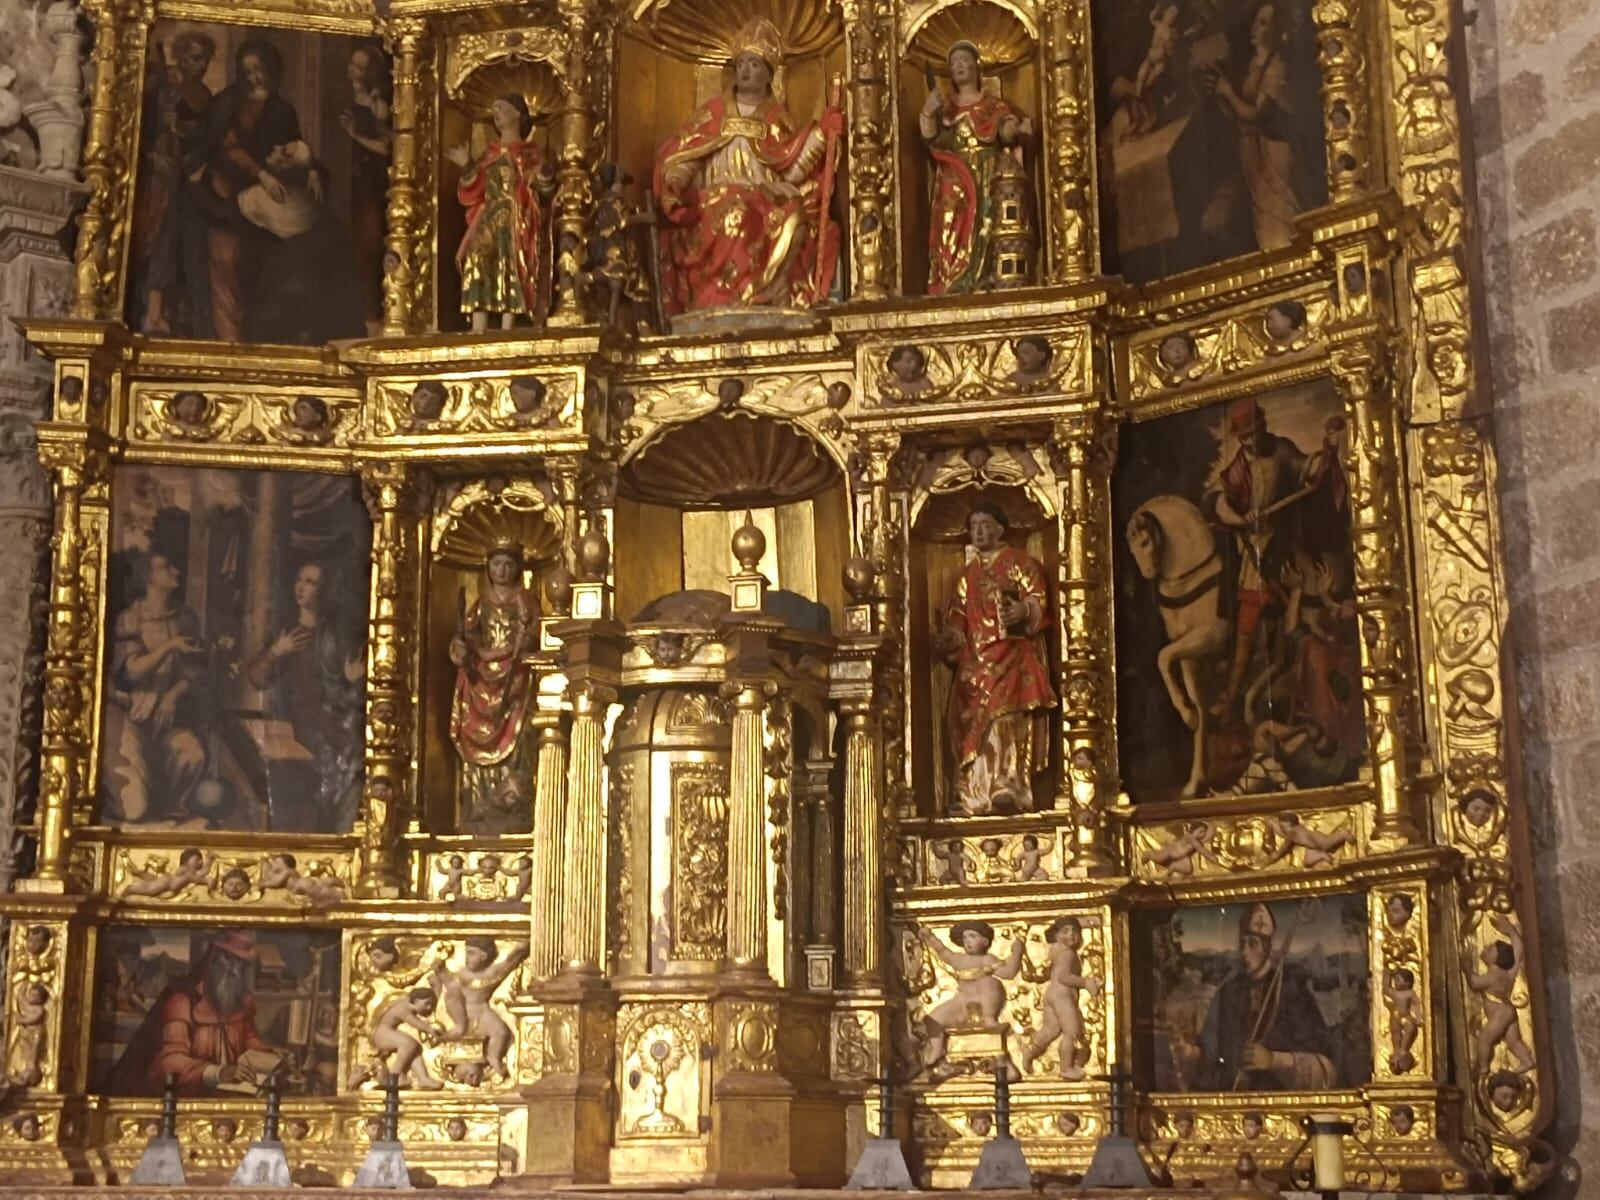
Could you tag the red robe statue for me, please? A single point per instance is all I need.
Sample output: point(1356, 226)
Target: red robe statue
point(745, 229)
point(1001, 681)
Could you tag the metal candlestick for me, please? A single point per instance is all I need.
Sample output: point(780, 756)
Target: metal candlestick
point(169, 1107)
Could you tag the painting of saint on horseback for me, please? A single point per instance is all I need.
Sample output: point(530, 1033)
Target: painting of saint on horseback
point(1238, 655)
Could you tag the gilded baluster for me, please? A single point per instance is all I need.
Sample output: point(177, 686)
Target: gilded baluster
point(885, 538)
point(392, 501)
point(110, 149)
point(1071, 251)
point(407, 250)
point(1340, 43)
point(574, 192)
point(583, 928)
point(1088, 704)
point(1381, 594)
point(63, 752)
point(872, 101)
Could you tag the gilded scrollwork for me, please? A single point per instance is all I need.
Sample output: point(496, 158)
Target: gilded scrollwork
point(1013, 857)
point(520, 403)
point(458, 876)
point(192, 415)
point(700, 861)
point(1292, 842)
point(980, 370)
point(1283, 331)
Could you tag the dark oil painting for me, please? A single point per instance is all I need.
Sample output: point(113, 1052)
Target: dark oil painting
point(1211, 129)
point(225, 1010)
point(260, 195)
point(1253, 996)
point(236, 650)
point(1238, 656)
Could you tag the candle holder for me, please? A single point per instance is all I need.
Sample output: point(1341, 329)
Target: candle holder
point(882, 1165)
point(1116, 1162)
point(1002, 1166)
point(385, 1164)
point(265, 1164)
point(161, 1164)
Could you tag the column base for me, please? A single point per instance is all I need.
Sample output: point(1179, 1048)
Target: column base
point(569, 1108)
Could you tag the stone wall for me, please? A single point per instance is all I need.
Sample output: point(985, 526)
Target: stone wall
point(1535, 68)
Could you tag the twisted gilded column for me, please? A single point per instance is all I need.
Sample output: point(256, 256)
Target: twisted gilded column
point(863, 843)
point(747, 796)
point(547, 887)
point(393, 502)
point(584, 887)
point(872, 240)
point(1382, 571)
point(1088, 704)
point(404, 37)
point(574, 192)
point(1070, 252)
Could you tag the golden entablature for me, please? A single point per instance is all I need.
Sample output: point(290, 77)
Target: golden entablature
point(641, 568)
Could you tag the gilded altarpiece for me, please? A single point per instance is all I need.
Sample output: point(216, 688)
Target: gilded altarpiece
point(681, 561)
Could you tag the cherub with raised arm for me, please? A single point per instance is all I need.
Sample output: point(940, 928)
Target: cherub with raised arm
point(1317, 848)
point(1027, 861)
point(1178, 855)
point(389, 1036)
point(979, 993)
point(193, 867)
point(467, 994)
point(1062, 1017)
point(1405, 1018)
point(1501, 960)
point(455, 867)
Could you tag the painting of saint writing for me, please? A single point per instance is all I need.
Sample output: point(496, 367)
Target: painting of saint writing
point(236, 657)
point(1211, 138)
point(260, 192)
point(225, 1011)
point(1254, 997)
point(1238, 655)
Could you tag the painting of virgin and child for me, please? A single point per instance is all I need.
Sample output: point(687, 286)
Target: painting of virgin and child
point(1211, 135)
point(235, 655)
point(259, 201)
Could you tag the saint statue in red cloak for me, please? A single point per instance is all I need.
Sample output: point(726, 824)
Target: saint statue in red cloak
point(494, 684)
point(744, 195)
point(992, 638)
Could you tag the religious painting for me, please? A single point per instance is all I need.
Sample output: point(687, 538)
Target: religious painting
point(259, 204)
point(1211, 134)
point(1238, 654)
point(1253, 997)
point(224, 1010)
point(235, 650)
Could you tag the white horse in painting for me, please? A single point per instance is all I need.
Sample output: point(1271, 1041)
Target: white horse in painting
point(1175, 547)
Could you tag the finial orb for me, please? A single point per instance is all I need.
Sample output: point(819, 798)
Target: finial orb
point(749, 543)
point(859, 576)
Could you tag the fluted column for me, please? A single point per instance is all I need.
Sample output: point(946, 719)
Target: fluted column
point(1088, 711)
point(747, 871)
point(1382, 573)
point(547, 891)
point(584, 886)
point(863, 844)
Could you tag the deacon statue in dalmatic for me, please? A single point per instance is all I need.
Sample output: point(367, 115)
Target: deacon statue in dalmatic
point(992, 639)
point(494, 686)
point(744, 195)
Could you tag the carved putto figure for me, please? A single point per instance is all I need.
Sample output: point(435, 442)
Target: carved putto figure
point(980, 996)
point(467, 993)
point(744, 194)
point(992, 639)
point(1064, 979)
point(981, 193)
point(493, 687)
point(501, 192)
